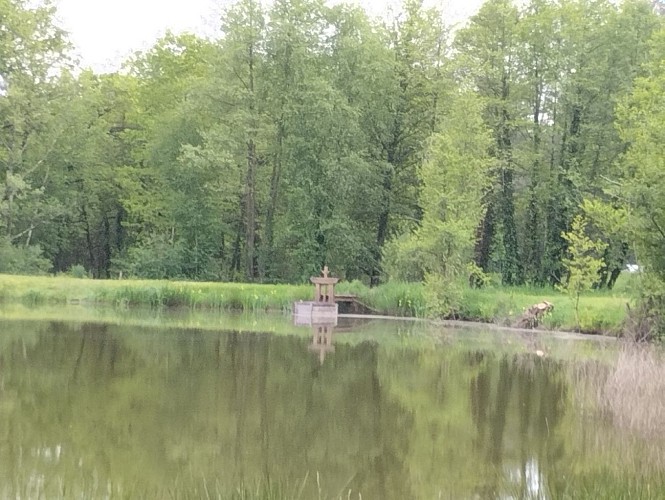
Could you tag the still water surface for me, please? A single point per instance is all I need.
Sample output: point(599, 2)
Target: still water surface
point(382, 410)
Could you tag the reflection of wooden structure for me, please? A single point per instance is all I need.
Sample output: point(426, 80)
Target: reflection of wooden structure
point(320, 314)
point(322, 340)
point(323, 308)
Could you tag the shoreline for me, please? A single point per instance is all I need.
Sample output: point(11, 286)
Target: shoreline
point(600, 313)
point(471, 324)
point(208, 320)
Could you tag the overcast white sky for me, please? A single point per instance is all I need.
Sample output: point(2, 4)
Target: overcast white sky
point(105, 32)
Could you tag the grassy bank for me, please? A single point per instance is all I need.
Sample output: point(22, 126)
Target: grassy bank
point(60, 290)
point(600, 312)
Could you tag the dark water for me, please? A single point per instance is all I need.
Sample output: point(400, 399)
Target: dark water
point(91, 410)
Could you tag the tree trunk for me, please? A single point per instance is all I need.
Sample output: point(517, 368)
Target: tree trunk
point(511, 268)
point(384, 215)
point(484, 235)
point(236, 259)
point(272, 204)
point(88, 239)
point(10, 202)
point(250, 185)
point(250, 211)
point(532, 241)
point(105, 262)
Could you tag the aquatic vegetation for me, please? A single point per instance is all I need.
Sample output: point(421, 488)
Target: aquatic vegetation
point(630, 391)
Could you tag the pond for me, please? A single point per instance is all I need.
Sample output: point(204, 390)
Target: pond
point(141, 404)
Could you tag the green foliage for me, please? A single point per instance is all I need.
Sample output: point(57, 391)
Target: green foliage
point(454, 178)
point(442, 296)
point(158, 258)
point(609, 224)
point(403, 259)
point(584, 263)
point(640, 184)
point(32, 53)
point(77, 271)
point(645, 321)
point(22, 259)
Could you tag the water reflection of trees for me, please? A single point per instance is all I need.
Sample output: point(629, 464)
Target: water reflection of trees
point(517, 422)
point(492, 425)
point(155, 411)
point(478, 418)
point(152, 410)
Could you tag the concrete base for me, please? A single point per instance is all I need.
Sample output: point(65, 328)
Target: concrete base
point(309, 313)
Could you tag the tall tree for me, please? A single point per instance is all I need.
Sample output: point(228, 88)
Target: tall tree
point(86, 164)
point(313, 125)
point(455, 175)
point(32, 52)
point(241, 60)
point(490, 46)
point(170, 231)
point(419, 44)
point(641, 180)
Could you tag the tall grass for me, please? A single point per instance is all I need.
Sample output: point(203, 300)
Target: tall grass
point(629, 393)
point(397, 299)
point(593, 487)
point(242, 296)
point(182, 488)
point(634, 392)
point(600, 312)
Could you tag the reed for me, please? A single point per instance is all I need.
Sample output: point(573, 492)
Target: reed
point(633, 391)
point(183, 487)
point(626, 392)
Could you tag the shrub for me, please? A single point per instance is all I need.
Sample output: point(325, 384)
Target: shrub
point(647, 320)
point(77, 271)
point(22, 259)
point(156, 259)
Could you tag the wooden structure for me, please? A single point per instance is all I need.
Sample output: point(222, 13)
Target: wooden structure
point(350, 304)
point(323, 308)
point(324, 287)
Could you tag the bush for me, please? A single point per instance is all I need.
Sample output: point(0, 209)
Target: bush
point(443, 297)
point(158, 258)
point(646, 320)
point(77, 271)
point(21, 259)
point(403, 260)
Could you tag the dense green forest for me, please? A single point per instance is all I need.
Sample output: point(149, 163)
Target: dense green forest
point(511, 148)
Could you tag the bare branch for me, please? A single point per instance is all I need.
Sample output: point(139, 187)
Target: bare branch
point(17, 236)
point(657, 226)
